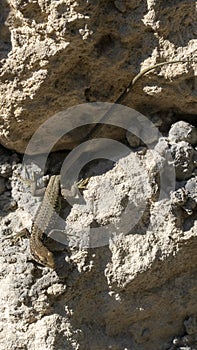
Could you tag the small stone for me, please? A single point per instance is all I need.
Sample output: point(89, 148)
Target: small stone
point(182, 131)
point(56, 289)
point(133, 140)
point(183, 153)
point(5, 170)
point(191, 187)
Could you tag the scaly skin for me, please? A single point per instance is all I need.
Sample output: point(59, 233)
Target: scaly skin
point(43, 221)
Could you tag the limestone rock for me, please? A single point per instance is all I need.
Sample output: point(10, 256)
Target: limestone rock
point(125, 277)
point(58, 54)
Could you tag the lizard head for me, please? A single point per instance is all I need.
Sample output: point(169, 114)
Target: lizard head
point(50, 262)
point(46, 258)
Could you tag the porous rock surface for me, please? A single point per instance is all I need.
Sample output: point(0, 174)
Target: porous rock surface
point(128, 283)
point(58, 54)
point(126, 274)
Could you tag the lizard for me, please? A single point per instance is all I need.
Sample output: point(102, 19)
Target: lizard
point(44, 218)
point(42, 221)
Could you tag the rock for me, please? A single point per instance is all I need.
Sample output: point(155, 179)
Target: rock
point(136, 262)
point(58, 54)
point(183, 155)
point(182, 131)
point(127, 278)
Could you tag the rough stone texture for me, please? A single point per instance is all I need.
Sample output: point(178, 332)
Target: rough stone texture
point(57, 54)
point(188, 341)
point(183, 154)
point(183, 131)
point(137, 292)
point(136, 288)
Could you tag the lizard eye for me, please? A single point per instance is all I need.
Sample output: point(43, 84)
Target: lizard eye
point(42, 260)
